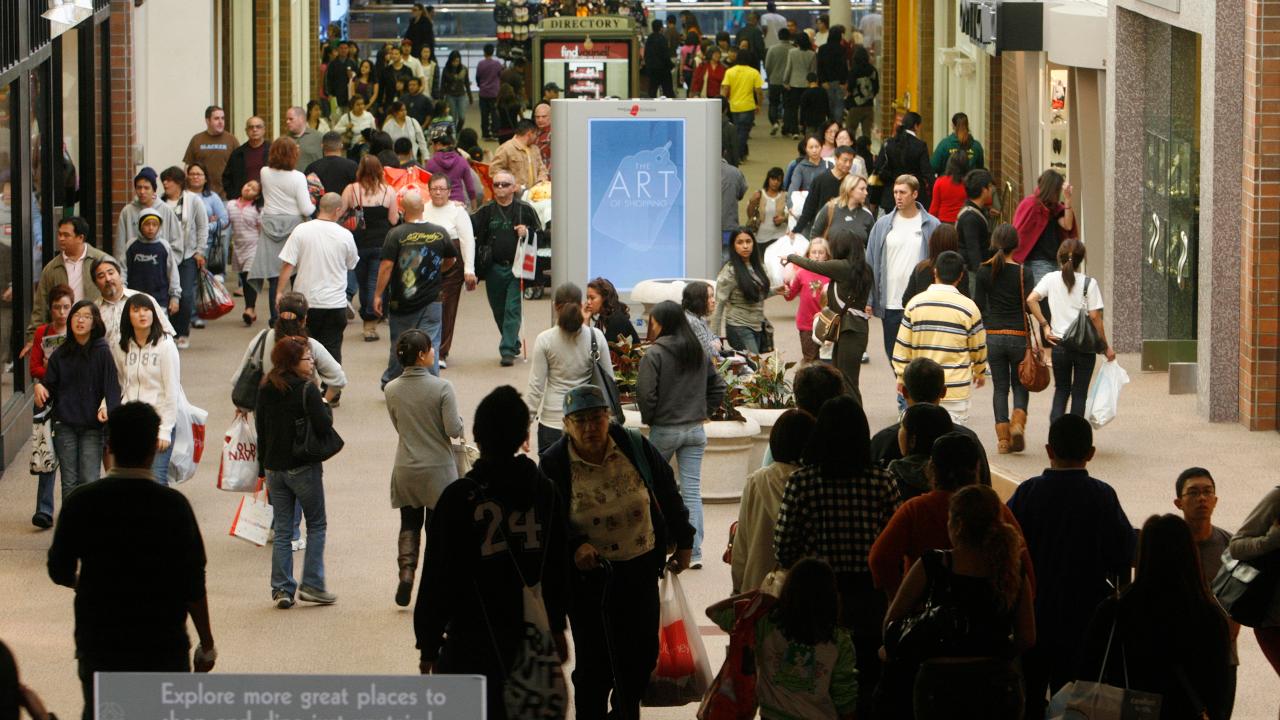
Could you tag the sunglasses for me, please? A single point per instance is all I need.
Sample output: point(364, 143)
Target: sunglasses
point(503, 184)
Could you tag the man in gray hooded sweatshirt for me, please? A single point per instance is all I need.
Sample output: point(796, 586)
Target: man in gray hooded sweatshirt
point(145, 184)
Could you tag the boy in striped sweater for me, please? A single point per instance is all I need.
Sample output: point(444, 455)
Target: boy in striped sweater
point(945, 326)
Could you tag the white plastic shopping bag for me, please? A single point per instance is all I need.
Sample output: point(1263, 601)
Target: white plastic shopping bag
point(525, 266)
point(188, 441)
point(239, 469)
point(778, 273)
point(253, 519)
point(1104, 395)
point(683, 672)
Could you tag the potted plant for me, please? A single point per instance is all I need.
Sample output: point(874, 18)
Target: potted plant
point(626, 357)
point(767, 394)
point(730, 435)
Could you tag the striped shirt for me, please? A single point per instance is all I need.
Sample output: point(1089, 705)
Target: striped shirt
point(836, 519)
point(946, 327)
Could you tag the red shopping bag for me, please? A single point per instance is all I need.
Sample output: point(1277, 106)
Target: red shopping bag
point(402, 180)
point(683, 672)
point(733, 693)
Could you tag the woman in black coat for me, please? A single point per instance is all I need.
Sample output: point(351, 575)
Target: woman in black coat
point(905, 154)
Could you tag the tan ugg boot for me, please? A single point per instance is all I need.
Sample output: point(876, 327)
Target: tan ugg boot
point(1002, 438)
point(370, 330)
point(409, 545)
point(1017, 431)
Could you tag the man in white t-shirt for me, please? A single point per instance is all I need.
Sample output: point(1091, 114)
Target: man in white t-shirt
point(899, 241)
point(322, 251)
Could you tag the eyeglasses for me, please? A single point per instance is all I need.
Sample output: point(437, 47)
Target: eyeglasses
point(1194, 493)
point(503, 184)
point(255, 127)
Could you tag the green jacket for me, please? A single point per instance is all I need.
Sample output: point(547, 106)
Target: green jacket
point(55, 273)
point(950, 144)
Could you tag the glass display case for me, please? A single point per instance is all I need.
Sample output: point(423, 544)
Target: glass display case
point(1170, 198)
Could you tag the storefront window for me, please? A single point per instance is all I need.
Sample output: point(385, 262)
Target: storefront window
point(66, 190)
point(1171, 192)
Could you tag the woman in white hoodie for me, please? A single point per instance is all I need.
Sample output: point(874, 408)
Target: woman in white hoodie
point(151, 373)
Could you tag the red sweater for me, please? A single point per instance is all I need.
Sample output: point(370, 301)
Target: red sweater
point(920, 525)
point(948, 200)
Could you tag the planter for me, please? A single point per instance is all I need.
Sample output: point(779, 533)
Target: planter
point(727, 460)
point(765, 418)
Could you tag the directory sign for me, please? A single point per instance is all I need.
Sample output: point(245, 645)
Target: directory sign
point(218, 696)
point(636, 204)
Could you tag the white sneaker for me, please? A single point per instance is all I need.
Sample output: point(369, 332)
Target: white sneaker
point(299, 544)
point(443, 365)
point(183, 343)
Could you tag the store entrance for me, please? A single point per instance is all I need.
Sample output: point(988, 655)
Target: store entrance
point(1171, 198)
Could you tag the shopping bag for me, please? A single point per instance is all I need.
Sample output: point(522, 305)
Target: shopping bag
point(238, 471)
point(535, 685)
point(525, 266)
point(212, 299)
point(188, 441)
point(1244, 589)
point(777, 251)
point(1086, 700)
point(732, 695)
point(1104, 396)
point(683, 673)
point(43, 458)
point(464, 456)
point(402, 180)
point(253, 519)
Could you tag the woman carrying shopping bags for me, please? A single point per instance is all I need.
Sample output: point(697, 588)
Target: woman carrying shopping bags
point(151, 373)
point(677, 389)
point(48, 337)
point(424, 413)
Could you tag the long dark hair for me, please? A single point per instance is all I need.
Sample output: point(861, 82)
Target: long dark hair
point(694, 298)
point(1168, 581)
point(1070, 258)
point(944, 238)
point(846, 245)
point(683, 343)
point(753, 288)
point(774, 173)
point(154, 335)
point(861, 60)
point(455, 55)
point(1049, 188)
point(957, 166)
point(1004, 240)
point(841, 441)
point(610, 303)
point(808, 608)
point(568, 306)
point(285, 356)
point(98, 331)
point(976, 518)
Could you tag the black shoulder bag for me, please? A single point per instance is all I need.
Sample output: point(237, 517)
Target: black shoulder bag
point(604, 380)
point(311, 445)
point(1082, 336)
point(244, 394)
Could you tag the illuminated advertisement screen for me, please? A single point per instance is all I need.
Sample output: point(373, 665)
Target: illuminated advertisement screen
point(636, 209)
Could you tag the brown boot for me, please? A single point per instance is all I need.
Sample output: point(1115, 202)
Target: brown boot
point(370, 330)
point(1017, 429)
point(1002, 438)
point(409, 543)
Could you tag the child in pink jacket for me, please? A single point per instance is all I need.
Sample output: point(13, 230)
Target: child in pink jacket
point(812, 289)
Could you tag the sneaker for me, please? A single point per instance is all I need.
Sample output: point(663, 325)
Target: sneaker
point(282, 600)
point(183, 343)
point(312, 595)
point(42, 521)
point(695, 565)
point(443, 365)
point(351, 311)
point(865, 358)
point(337, 399)
point(299, 544)
point(197, 323)
point(507, 361)
point(774, 130)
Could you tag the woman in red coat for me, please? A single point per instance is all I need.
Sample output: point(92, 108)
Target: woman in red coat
point(1043, 220)
point(949, 195)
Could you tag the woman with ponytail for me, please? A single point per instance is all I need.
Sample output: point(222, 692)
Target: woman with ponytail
point(561, 360)
point(424, 412)
point(1068, 291)
point(985, 580)
point(677, 390)
point(1000, 291)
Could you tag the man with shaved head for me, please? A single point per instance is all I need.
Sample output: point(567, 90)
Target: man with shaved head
point(415, 257)
point(322, 251)
point(499, 226)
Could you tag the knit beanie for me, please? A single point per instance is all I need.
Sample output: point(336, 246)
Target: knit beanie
point(149, 213)
point(148, 174)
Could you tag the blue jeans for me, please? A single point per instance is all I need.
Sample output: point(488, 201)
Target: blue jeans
point(1071, 374)
point(44, 494)
point(367, 277)
point(687, 443)
point(284, 487)
point(428, 319)
point(187, 303)
point(743, 338)
point(160, 467)
point(892, 321)
point(79, 451)
point(1004, 352)
point(743, 121)
point(458, 107)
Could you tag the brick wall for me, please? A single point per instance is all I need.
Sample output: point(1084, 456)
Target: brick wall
point(123, 125)
point(313, 25)
point(286, 63)
point(1260, 200)
point(262, 53)
point(1010, 162)
point(995, 118)
point(889, 67)
point(928, 64)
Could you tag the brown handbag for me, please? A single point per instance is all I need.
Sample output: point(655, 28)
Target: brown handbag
point(1033, 373)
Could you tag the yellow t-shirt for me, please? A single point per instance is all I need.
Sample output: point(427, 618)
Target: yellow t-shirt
point(742, 81)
